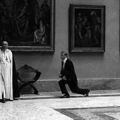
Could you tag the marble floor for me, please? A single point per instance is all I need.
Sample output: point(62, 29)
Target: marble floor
point(100, 105)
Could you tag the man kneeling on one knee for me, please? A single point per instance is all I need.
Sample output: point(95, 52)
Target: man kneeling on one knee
point(68, 76)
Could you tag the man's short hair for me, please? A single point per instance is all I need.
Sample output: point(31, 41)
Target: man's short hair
point(64, 53)
point(4, 42)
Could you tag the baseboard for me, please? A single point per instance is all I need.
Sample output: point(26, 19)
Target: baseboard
point(51, 85)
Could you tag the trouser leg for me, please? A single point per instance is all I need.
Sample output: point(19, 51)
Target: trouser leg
point(75, 89)
point(81, 91)
point(63, 87)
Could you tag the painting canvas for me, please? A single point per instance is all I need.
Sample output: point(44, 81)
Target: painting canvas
point(87, 28)
point(28, 25)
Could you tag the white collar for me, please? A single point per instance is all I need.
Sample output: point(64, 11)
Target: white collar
point(7, 50)
point(65, 60)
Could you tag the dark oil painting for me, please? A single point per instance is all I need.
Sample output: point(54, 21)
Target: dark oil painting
point(27, 25)
point(87, 28)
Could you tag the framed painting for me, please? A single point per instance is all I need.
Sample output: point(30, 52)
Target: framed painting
point(28, 25)
point(86, 28)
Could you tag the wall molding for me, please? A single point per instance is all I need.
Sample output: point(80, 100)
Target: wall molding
point(79, 79)
point(51, 85)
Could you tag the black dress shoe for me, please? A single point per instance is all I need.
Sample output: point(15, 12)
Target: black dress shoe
point(3, 101)
point(65, 96)
point(87, 93)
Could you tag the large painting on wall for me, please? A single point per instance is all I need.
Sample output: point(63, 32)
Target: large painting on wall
point(86, 28)
point(28, 25)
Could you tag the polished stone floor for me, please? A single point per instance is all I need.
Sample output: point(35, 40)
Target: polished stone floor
point(100, 105)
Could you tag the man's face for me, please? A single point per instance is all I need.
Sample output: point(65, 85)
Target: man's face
point(5, 45)
point(62, 56)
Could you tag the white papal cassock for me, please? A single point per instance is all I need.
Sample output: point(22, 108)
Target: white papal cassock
point(6, 86)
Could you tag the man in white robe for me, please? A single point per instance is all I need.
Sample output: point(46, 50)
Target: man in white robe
point(6, 83)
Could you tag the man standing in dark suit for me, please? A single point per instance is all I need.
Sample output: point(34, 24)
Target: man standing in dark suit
point(68, 76)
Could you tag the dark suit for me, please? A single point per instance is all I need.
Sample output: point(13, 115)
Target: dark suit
point(69, 72)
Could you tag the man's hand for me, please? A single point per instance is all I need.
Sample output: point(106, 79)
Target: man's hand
point(64, 78)
point(60, 75)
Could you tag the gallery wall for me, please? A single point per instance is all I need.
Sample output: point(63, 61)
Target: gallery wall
point(97, 66)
